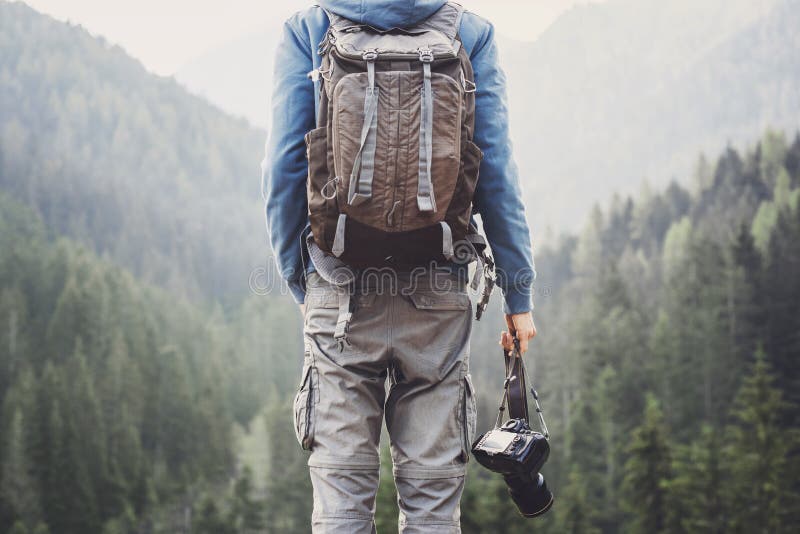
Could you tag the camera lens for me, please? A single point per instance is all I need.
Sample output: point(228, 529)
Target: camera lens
point(530, 494)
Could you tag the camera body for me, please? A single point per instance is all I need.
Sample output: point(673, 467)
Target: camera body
point(512, 449)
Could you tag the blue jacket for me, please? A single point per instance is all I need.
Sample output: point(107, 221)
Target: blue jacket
point(497, 197)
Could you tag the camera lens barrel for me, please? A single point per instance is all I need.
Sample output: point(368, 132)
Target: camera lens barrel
point(529, 493)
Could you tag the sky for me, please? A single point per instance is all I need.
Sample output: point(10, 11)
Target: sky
point(166, 34)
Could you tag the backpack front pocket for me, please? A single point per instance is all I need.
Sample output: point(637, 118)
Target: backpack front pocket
point(386, 165)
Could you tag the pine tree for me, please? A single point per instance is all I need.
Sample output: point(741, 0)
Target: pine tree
point(646, 472)
point(760, 493)
point(246, 513)
point(695, 492)
point(773, 155)
point(782, 292)
point(288, 505)
point(88, 441)
point(574, 515)
point(18, 488)
point(210, 520)
point(487, 507)
point(124, 454)
point(745, 297)
point(71, 501)
point(792, 161)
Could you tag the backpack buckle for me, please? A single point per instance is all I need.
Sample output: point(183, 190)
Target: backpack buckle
point(425, 54)
point(370, 54)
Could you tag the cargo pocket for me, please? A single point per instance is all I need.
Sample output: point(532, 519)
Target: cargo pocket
point(441, 323)
point(469, 417)
point(304, 405)
point(320, 185)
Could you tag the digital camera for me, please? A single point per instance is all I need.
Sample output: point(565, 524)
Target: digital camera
point(513, 449)
point(518, 453)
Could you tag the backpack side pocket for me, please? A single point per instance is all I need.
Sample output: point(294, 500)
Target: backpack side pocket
point(321, 188)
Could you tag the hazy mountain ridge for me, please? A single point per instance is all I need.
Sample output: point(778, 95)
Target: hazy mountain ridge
point(613, 98)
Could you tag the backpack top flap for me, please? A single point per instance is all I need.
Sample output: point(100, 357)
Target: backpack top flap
point(437, 34)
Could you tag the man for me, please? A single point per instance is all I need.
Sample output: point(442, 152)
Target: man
point(417, 339)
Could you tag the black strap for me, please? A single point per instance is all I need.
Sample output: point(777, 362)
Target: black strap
point(515, 391)
point(517, 388)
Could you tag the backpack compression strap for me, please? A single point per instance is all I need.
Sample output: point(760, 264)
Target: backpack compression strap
point(360, 188)
point(425, 198)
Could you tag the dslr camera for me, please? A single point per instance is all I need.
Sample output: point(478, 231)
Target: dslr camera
point(513, 449)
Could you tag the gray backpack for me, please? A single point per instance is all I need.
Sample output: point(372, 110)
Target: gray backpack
point(392, 168)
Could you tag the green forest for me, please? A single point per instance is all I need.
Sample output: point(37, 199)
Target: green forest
point(146, 388)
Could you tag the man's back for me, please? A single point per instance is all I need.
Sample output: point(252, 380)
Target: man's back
point(389, 344)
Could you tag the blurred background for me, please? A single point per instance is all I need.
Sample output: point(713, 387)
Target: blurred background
point(148, 355)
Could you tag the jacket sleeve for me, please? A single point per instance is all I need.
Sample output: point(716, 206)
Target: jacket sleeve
point(498, 199)
point(284, 168)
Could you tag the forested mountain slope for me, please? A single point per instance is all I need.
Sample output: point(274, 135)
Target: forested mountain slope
point(668, 354)
point(130, 343)
point(126, 161)
point(118, 400)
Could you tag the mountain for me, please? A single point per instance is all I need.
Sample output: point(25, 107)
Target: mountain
point(129, 163)
point(630, 90)
point(611, 94)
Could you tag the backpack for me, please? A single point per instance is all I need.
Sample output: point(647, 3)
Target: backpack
point(392, 168)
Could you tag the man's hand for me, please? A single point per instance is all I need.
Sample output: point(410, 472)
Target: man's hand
point(302, 310)
point(522, 325)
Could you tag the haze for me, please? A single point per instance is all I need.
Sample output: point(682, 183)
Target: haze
point(147, 28)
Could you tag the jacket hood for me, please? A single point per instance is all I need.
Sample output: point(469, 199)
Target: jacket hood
point(384, 14)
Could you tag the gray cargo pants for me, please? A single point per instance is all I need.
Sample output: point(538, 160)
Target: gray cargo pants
point(407, 360)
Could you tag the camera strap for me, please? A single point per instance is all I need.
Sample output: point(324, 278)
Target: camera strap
point(515, 387)
point(515, 390)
